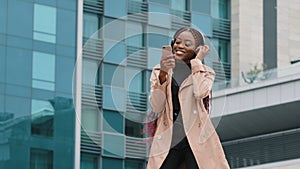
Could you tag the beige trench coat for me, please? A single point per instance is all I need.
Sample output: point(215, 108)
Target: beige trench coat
point(199, 130)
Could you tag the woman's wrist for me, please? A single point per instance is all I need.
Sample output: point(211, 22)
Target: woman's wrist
point(162, 76)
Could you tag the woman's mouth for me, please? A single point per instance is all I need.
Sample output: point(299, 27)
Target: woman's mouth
point(179, 52)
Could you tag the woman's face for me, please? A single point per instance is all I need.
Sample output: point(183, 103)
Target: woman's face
point(184, 46)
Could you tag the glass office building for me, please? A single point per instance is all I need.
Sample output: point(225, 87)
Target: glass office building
point(112, 46)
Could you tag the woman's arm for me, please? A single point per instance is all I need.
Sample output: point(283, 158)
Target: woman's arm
point(157, 91)
point(203, 78)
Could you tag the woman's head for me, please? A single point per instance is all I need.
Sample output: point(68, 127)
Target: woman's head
point(185, 42)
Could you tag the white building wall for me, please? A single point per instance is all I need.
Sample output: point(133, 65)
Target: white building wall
point(246, 36)
point(288, 31)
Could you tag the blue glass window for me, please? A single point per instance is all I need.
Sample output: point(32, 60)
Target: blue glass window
point(3, 16)
point(113, 75)
point(43, 71)
point(113, 146)
point(44, 23)
point(113, 121)
point(114, 52)
point(111, 6)
point(114, 29)
point(90, 119)
point(134, 80)
point(154, 55)
point(91, 24)
point(42, 118)
point(2, 63)
point(88, 161)
point(65, 68)
point(203, 22)
point(202, 6)
point(134, 34)
point(19, 18)
point(165, 2)
point(158, 37)
point(159, 16)
point(179, 5)
point(134, 164)
point(66, 27)
point(220, 8)
point(18, 66)
point(41, 158)
point(114, 98)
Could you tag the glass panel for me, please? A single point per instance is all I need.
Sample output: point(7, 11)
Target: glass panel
point(42, 115)
point(134, 164)
point(113, 146)
point(90, 25)
point(66, 27)
point(114, 52)
point(113, 75)
point(201, 6)
point(18, 66)
point(43, 70)
point(179, 5)
point(41, 159)
point(90, 119)
point(114, 29)
point(113, 121)
point(203, 22)
point(134, 34)
point(88, 161)
point(161, 12)
point(19, 17)
point(133, 129)
point(220, 8)
point(44, 23)
point(158, 37)
point(111, 163)
point(134, 80)
point(43, 66)
point(114, 98)
point(64, 74)
point(111, 6)
point(165, 2)
point(2, 63)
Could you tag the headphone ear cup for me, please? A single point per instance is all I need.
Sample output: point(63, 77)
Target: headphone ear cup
point(172, 43)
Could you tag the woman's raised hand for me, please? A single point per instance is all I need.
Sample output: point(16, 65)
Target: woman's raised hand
point(202, 52)
point(167, 60)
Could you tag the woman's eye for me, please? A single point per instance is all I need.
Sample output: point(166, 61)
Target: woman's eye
point(188, 44)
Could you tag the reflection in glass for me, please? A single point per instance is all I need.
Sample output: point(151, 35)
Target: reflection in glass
point(43, 71)
point(88, 161)
point(42, 114)
point(44, 23)
point(41, 159)
point(134, 34)
point(179, 5)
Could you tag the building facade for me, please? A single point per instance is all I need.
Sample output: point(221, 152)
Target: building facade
point(74, 79)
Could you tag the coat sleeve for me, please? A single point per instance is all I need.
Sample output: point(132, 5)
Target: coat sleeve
point(157, 92)
point(203, 78)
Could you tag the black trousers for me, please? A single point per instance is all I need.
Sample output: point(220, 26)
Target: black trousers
point(178, 154)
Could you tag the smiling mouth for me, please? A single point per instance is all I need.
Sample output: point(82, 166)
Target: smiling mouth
point(179, 52)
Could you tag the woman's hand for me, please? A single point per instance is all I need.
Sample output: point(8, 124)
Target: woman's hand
point(167, 60)
point(202, 52)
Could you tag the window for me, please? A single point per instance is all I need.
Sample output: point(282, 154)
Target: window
point(157, 37)
point(111, 6)
point(179, 5)
point(90, 119)
point(135, 80)
point(113, 29)
point(42, 115)
point(91, 24)
point(161, 12)
point(133, 128)
point(113, 146)
point(44, 23)
point(113, 121)
point(165, 2)
point(114, 98)
point(134, 164)
point(41, 159)
point(203, 22)
point(88, 161)
point(220, 9)
point(134, 34)
point(43, 71)
point(202, 6)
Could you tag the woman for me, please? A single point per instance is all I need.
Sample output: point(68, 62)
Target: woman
point(180, 89)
